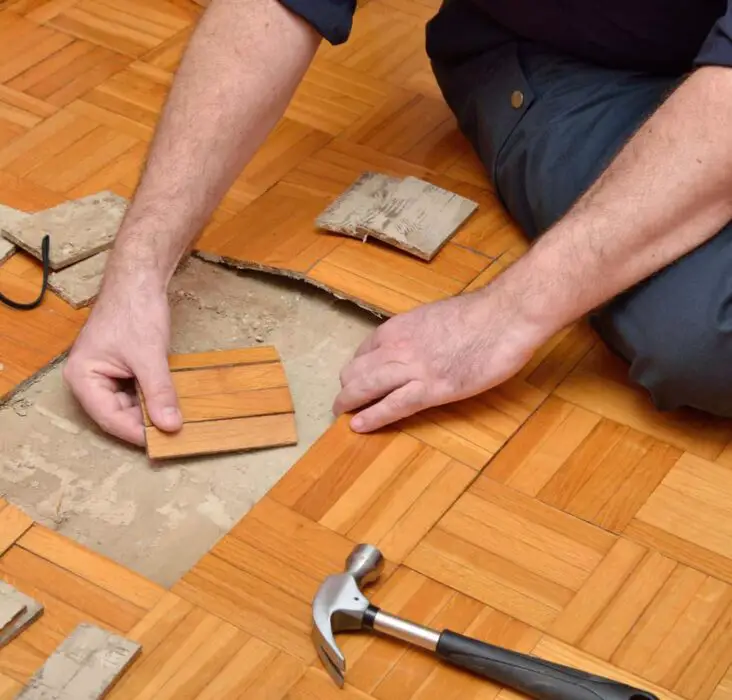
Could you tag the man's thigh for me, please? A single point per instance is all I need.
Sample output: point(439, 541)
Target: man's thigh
point(545, 126)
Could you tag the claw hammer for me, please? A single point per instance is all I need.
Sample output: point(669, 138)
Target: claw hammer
point(340, 606)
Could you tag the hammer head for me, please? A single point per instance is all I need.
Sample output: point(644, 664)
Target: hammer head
point(339, 606)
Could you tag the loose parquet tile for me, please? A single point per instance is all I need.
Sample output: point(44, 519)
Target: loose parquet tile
point(230, 401)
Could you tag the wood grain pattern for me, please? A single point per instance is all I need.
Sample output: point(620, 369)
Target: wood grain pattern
point(31, 340)
point(558, 514)
point(230, 400)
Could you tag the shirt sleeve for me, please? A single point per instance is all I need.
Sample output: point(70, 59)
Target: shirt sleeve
point(333, 19)
point(717, 49)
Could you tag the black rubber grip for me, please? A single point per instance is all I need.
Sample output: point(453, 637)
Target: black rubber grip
point(369, 617)
point(534, 677)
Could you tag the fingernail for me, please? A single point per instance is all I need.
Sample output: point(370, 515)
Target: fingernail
point(171, 414)
point(357, 423)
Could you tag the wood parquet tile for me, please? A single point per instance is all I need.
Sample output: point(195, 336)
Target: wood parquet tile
point(559, 514)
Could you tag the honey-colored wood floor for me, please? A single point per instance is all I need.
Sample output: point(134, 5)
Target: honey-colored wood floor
point(559, 514)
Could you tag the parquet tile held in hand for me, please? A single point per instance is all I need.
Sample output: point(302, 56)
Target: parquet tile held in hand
point(230, 401)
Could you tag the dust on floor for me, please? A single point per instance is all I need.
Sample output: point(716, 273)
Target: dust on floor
point(159, 521)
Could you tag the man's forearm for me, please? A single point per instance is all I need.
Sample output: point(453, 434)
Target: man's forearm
point(239, 72)
point(666, 193)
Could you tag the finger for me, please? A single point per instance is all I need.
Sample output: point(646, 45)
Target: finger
point(125, 400)
point(98, 396)
point(401, 403)
point(161, 400)
point(370, 383)
point(370, 344)
point(359, 365)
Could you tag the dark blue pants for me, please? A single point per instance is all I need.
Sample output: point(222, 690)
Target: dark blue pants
point(545, 125)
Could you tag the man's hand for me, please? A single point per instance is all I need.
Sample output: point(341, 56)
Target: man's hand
point(437, 354)
point(126, 337)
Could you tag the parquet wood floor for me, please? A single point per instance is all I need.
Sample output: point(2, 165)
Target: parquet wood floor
point(560, 514)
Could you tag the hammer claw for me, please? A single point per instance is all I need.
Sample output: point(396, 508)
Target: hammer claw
point(337, 674)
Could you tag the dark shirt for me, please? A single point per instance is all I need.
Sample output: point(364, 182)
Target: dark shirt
point(658, 36)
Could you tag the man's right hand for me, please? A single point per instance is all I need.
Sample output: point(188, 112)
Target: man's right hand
point(126, 338)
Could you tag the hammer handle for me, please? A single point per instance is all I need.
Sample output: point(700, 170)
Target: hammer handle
point(539, 679)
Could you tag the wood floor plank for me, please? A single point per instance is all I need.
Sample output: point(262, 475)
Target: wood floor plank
point(105, 607)
point(224, 358)
point(96, 569)
point(215, 381)
point(209, 437)
point(600, 384)
point(13, 524)
point(9, 688)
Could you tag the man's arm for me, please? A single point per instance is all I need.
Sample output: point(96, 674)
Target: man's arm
point(666, 193)
point(239, 72)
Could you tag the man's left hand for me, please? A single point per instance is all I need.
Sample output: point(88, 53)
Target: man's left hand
point(437, 354)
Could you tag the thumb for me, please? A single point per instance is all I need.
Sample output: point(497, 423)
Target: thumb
point(161, 400)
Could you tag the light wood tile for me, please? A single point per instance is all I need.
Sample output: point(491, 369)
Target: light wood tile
point(91, 567)
point(593, 468)
point(9, 688)
point(473, 430)
point(687, 516)
point(244, 403)
point(600, 384)
point(388, 492)
point(560, 653)
point(131, 27)
point(137, 93)
point(31, 340)
point(13, 524)
point(512, 552)
point(105, 607)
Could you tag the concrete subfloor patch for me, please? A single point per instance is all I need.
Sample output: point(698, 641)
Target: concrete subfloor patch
point(159, 521)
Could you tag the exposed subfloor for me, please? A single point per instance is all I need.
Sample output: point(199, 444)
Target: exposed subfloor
point(159, 521)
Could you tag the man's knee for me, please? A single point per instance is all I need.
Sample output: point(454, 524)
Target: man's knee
point(696, 372)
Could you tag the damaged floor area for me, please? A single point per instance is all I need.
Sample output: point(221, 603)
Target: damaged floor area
point(56, 466)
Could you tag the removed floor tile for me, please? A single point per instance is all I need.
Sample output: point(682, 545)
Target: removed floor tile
point(6, 249)
point(410, 214)
point(17, 611)
point(84, 667)
point(230, 400)
point(79, 284)
point(78, 229)
point(9, 218)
